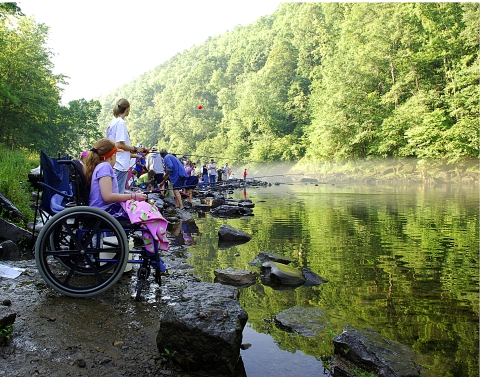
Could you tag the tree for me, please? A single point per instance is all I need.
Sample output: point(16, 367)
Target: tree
point(28, 90)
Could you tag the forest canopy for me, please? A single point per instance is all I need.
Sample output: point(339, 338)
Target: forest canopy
point(320, 81)
point(311, 81)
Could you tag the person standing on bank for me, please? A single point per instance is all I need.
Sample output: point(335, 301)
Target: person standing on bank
point(212, 172)
point(117, 132)
point(175, 172)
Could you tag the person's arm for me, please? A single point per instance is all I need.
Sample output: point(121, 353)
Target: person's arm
point(133, 150)
point(165, 177)
point(108, 196)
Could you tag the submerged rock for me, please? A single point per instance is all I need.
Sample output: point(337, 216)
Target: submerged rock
point(239, 278)
point(266, 256)
point(308, 322)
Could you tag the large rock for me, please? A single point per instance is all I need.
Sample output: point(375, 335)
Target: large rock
point(308, 322)
point(227, 233)
point(369, 351)
point(267, 256)
point(9, 211)
point(278, 274)
point(311, 278)
point(246, 204)
point(12, 232)
point(230, 211)
point(203, 332)
point(238, 278)
point(9, 251)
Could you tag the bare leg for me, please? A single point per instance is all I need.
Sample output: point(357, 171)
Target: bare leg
point(178, 199)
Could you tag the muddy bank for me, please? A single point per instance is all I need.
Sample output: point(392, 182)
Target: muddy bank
point(110, 334)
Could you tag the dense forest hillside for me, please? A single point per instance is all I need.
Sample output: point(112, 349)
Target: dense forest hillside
point(310, 82)
point(319, 81)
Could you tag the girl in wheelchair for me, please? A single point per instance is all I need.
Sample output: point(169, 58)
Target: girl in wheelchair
point(101, 179)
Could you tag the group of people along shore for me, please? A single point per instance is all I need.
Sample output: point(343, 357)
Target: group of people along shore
point(114, 166)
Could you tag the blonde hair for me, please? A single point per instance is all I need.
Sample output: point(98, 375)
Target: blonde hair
point(121, 106)
point(100, 148)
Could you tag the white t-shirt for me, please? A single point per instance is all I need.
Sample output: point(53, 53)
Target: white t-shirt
point(212, 168)
point(117, 131)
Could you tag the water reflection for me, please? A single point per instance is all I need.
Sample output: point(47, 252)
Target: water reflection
point(183, 233)
point(402, 260)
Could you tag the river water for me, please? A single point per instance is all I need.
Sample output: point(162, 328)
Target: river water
point(400, 259)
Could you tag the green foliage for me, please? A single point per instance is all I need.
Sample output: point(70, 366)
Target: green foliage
point(328, 81)
point(358, 372)
point(6, 335)
point(14, 169)
point(312, 81)
point(168, 354)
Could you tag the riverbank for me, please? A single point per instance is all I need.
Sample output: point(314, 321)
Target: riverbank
point(408, 170)
point(110, 334)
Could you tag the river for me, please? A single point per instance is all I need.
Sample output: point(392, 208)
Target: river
point(400, 259)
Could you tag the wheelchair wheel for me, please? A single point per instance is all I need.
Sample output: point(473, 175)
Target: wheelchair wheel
point(71, 254)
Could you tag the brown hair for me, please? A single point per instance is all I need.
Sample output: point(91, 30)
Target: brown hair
point(121, 106)
point(100, 148)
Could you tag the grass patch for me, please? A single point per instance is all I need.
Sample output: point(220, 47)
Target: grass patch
point(14, 185)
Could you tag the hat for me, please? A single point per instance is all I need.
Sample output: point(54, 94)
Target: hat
point(163, 151)
point(184, 156)
point(154, 148)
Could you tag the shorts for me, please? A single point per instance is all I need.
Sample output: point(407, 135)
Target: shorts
point(191, 182)
point(179, 183)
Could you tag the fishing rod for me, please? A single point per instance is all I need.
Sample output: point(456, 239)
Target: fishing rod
point(218, 157)
point(267, 176)
point(275, 175)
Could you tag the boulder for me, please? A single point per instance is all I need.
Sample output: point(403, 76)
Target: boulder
point(367, 350)
point(266, 256)
point(246, 204)
point(12, 232)
point(311, 278)
point(239, 278)
point(9, 211)
point(278, 274)
point(230, 211)
point(202, 207)
point(227, 233)
point(203, 332)
point(309, 322)
point(9, 251)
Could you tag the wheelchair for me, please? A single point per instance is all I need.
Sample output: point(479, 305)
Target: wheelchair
point(83, 251)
